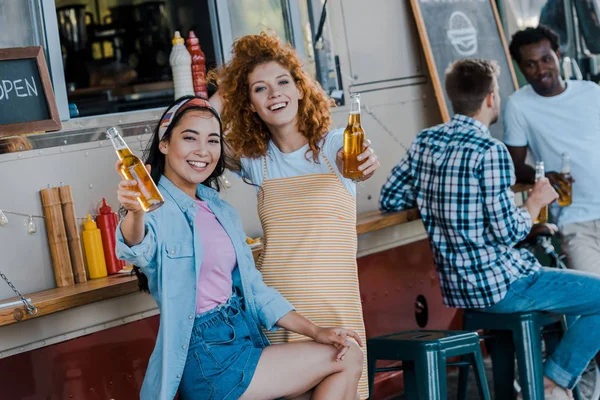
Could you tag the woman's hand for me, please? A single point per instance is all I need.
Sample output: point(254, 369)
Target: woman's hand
point(368, 167)
point(127, 192)
point(132, 226)
point(339, 337)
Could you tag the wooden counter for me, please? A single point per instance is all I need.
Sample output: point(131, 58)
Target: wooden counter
point(60, 299)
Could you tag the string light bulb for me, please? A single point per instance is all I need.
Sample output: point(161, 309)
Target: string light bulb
point(31, 228)
point(3, 219)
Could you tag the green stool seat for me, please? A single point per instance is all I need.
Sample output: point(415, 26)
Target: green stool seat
point(510, 333)
point(423, 355)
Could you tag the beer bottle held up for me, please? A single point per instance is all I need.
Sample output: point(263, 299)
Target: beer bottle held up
point(354, 136)
point(133, 168)
point(539, 174)
point(565, 188)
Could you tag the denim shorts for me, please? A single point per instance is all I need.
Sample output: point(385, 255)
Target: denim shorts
point(223, 354)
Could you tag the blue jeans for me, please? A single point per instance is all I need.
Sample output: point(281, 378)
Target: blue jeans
point(568, 292)
point(223, 353)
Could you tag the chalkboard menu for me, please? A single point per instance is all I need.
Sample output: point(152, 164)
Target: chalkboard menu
point(454, 29)
point(27, 102)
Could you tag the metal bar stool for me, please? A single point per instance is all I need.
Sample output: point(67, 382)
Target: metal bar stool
point(423, 355)
point(519, 333)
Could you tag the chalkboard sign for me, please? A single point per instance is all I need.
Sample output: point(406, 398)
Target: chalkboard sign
point(454, 29)
point(27, 102)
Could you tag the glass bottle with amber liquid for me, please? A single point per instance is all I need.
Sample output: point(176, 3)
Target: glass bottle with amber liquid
point(565, 187)
point(133, 168)
point(354, 136)
point(539, 174)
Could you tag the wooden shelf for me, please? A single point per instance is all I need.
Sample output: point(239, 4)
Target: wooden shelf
point(60, 299)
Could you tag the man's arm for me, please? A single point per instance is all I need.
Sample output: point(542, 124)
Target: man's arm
point(515, 138)
point(508, 223)
point(398, 192)
point(525, 173)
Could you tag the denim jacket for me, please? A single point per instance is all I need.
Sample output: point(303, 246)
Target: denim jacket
point(170, 255)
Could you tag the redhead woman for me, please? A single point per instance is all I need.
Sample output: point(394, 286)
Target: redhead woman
point(278, 123)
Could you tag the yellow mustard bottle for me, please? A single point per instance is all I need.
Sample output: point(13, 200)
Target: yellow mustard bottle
point(94, 253)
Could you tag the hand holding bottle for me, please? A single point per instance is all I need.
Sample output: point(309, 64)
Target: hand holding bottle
point(563, 185)
point(132, 168)
point(540, 196)
point(132, 226)
point(128, 193)
point(557, 179)
point(368, 159)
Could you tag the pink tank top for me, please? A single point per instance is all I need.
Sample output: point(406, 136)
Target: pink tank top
point(218, 261)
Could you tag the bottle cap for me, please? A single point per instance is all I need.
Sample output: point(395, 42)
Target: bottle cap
point(112, 132)
point(192, 39)
point(89, 224)
point(177, 39)
point(105, 208)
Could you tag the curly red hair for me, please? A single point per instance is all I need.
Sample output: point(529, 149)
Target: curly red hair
point(247, 134)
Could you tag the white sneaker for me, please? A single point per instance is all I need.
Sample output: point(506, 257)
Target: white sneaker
point(559, 393)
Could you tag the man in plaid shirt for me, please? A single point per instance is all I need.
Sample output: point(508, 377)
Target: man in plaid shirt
point(459, 177)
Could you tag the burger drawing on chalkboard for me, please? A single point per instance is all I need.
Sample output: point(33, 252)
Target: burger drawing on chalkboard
point(462, 34)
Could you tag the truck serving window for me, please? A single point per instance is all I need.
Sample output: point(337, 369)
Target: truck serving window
point(116, 53)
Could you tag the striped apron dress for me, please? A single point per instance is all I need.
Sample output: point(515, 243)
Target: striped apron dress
point(309, 254)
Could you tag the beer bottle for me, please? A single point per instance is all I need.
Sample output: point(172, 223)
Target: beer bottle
point(565, 188)
point(539, 174)
point(133, 168)
point(354, 136)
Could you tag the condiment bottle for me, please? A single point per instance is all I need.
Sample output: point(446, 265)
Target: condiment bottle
point(198, 65)
point(92, 245)
point(181, 65)
point(107, 222)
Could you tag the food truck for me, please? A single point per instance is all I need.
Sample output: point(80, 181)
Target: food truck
point(105, 63)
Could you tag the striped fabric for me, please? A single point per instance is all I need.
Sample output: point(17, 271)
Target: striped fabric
point(309, 225)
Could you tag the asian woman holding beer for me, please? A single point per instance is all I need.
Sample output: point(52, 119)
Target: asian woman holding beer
point(193, 259)
point(278, 122)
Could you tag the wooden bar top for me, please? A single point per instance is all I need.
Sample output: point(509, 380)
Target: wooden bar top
point(60, 299)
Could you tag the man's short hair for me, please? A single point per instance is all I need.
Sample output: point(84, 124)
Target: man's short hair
point(468, 82)
point(531, 36)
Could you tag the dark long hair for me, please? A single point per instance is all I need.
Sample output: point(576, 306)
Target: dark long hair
point(156, 159)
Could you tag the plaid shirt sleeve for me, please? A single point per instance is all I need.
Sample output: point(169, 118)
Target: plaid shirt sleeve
point(398, 192)
point(509, 223)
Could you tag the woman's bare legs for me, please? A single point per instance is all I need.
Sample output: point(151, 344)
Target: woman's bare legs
point(307, 396)
point(293, 369)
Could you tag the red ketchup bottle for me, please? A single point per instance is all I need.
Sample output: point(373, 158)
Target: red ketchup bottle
point(198, 65)
point(107, 223)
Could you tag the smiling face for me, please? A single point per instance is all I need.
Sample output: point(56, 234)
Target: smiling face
point(192, 151)
point(540, 65)
point(274, 95)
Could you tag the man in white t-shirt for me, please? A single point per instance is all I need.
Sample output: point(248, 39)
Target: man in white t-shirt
point(549, 117)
